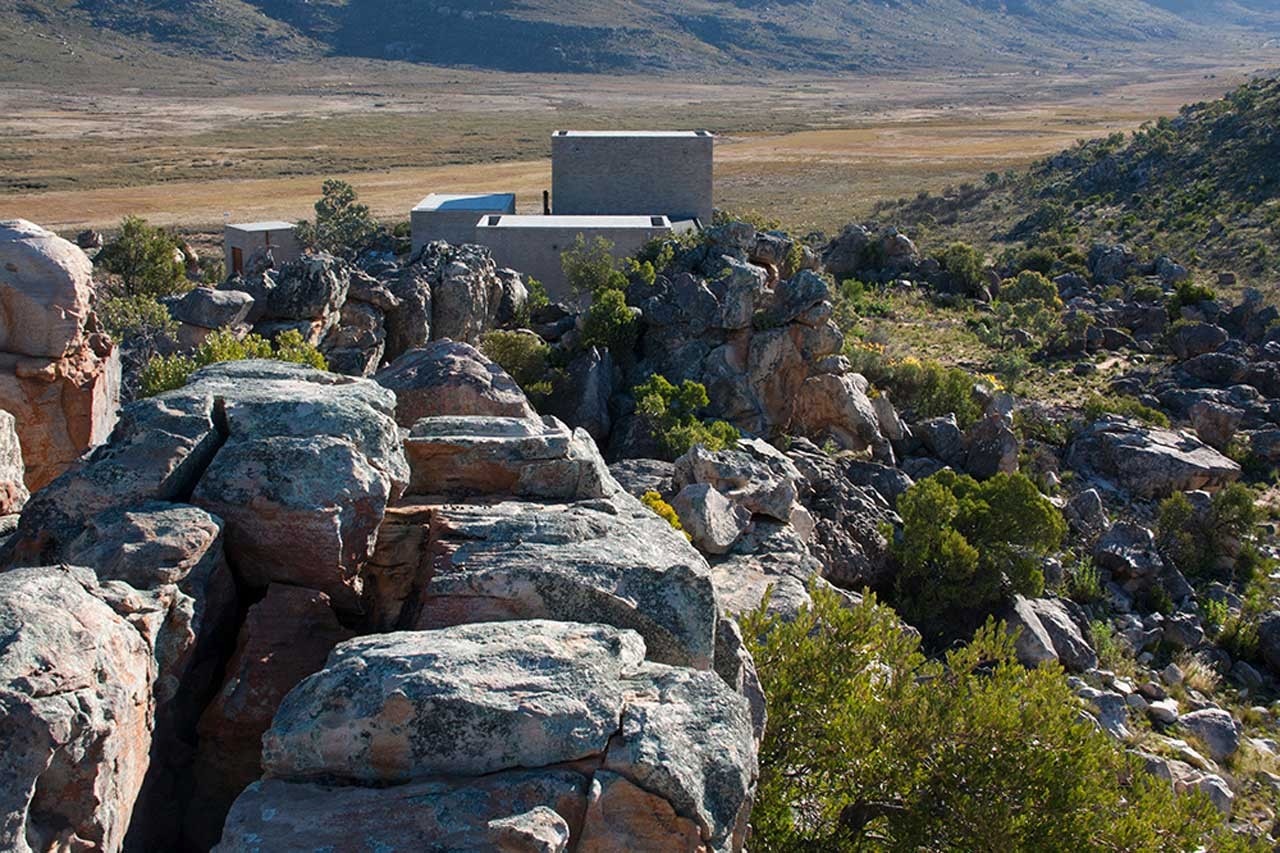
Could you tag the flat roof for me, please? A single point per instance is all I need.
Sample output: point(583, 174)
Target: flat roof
point(511, 220)
point(683, 134)
point(263, 226)
point(466, 201)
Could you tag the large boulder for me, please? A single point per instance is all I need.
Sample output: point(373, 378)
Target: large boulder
point(838, 407)
point(469, 294)
point(1048, 630)
point(46, 289)
point(13, 487)
point(606, 560)
point(522, 457)
point(449, 378)
point(711, 521)
point(1149, 462)
point(208, 308)
point(75, 713)
point(475, 700)
point(298, 463)
point(754, 475)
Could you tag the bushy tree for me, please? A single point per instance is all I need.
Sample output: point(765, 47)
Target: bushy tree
point(966, 546)
point(523, 355)
point(590, 267)
point(165, 373)
point(147, 261)
point(343, 227)
point(673, 415)
point(1029, 302)
point(871, 746)
point(1195, 542)
point(610, 323)
point(964, 264)
point(140, 319)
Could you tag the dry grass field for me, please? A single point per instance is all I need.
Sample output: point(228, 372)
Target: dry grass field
point(191, 153)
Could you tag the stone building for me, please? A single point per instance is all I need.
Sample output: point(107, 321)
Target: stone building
point(242, 240)
point(533, 244)
point(452, 217)
point(611, 173)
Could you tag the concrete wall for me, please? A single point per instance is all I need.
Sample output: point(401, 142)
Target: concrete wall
point(608, 174)
point(535, 250)
point(455, 226)
point(283, 241)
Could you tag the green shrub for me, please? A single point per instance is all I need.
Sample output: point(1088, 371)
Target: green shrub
point(523, 355)
point(966, 546)
point(1029, 302)
point(1194, 542)
point(673, 416)
point(664, 510)
point(136, 317)
point(147, 260)
point(538, 297)
point(964, 264)
point(165, 373)
point(1099, 405)
point(1188, 293)
point(1083, 582)
point(931, 389)
point(590, 268)
point(610, 323)
point(870, 746)
point(343, 227)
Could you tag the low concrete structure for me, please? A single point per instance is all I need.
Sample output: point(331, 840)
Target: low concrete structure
point(452, 216)
point(240, 241)
point(597, 173)
point(533, 244)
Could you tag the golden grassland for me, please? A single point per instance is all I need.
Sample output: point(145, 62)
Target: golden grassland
point(812, 153)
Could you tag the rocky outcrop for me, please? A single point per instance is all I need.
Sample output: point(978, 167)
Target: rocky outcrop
point(13, 487)
point(76, 713)
point(468, 293)
point(59, 378)
point(449, 378)
point(475, 700)
point(1149, 462)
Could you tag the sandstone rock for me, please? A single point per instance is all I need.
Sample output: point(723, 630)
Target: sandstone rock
point(1214, 728)
point(355, 346)
point(755, 476)
point(409, 322)
point(46, 289)
point(581, 397)
point(623, 816)
point(1033, 644)
point(1186, 778)
point(523, 457)
point(1086, 514)
point(1061, 620)
point(1128, 551)
point(212, 309)
point(991, 448)
point(1150, 462)
point(511, 812)
point(638, 476)
point(1188, 340)
point(75, 713)
point(1215, 424)
point(312, 288)
point(943, 439)
point(709, 518)
point(611, 561)
point(448, 378)
point(839, 407)
point(771, 561)
point(1269, 640)
point(469, 295)
point(13, 489)
point(285, 637)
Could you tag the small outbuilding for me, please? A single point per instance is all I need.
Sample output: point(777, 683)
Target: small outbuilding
point(452, 217)
point(533, 244)
point(240, 242)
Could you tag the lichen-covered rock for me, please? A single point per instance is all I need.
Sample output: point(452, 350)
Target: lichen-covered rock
point(712, 522)
point(838, 406)
point(469, 294)
point(755, 476)
point(512, 812)
point(624, 816)
point(46, 289)
point(1150, 462)
point(531, 458)
point(448, 378)
point(75, 713)
point(13, 488)
point(212, 309)
point(610, 561)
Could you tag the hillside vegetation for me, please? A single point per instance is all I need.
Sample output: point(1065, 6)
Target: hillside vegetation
point(1203, 186)
point(641, 35)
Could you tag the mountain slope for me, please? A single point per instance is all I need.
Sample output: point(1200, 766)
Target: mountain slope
point(640, 35)
point(1203, 187)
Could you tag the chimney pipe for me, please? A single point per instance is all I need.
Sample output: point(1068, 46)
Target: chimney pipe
point(546, 202)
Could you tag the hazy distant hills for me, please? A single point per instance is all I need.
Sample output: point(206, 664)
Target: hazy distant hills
point(641, 35)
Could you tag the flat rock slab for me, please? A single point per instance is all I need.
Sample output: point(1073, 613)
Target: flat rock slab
point(1151, 463)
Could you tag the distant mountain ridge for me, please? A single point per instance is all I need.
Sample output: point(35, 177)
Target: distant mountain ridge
point(655, 35)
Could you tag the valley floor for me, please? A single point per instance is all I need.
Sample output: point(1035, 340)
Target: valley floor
point(193, 150)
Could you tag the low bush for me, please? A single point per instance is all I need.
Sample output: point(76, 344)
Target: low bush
point(610, 323)
point(590, 267)
point(165, 373)
point(1195, 542)
point(523, 355)
point(963, 264)
point(966, 546)
point(673, 416)
point(133, 318)
point(872, 746)
point(1099, 405)
point(930, 389)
